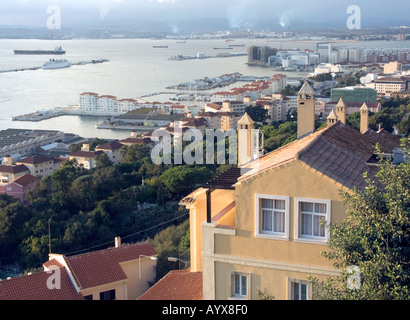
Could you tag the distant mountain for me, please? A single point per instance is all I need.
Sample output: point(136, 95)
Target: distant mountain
point(99, 28)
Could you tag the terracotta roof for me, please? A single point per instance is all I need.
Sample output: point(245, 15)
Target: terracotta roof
point(34, 287)
point(14, 169)
point(339, 152)
point(86, 154)
point(103, 266)
point(110, 146)
point(25, 180)
point(136, 141)
point(36, 159)
point(176, 285)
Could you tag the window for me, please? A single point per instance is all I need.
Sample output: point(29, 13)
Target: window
point(107, 295)
point(299, 289)
point(272, 216)
point(310, 214)
point(239, 285)
point(88, 297)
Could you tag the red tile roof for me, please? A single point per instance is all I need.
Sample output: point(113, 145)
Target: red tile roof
point(34, 287)
point(25, 180)
point(110, 146)
point(339, 152)
point(101, 267)
point(37, 159)
point(86, 154)
point(176, 285)
point(13, 169)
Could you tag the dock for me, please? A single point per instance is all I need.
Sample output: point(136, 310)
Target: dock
point(59, 112)
point(80, 63)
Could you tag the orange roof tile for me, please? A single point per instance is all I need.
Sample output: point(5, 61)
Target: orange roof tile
point(34, 287)
point(100, 267)
point(176, 285)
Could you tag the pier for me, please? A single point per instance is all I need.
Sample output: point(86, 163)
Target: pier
point(59, 112)
point(80, 63)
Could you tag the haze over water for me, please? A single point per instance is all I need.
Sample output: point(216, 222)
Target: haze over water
point(135, 69)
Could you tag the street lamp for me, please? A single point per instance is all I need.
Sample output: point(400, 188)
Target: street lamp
point(174, 259)
point(139, 262)
point(49, 234)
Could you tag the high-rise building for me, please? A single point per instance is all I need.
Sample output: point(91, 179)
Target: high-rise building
point(356, 55)
point(324, 50)
point(259, 55)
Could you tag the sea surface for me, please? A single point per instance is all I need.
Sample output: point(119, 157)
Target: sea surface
point(134, 69)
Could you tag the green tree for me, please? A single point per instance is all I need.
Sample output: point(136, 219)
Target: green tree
point(134, 152)
point(102, 161)
point(258, 113)
point(375, 237)
point(180, 180)
point(13, 216)
point(167, 243)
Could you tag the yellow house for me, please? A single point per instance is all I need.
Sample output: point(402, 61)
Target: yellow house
point(258, 226)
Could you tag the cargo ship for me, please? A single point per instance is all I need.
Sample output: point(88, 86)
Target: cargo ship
point(57, 50)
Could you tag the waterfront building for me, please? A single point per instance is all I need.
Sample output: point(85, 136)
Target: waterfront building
point(259, 55)
point(126, 105)
point(23, 142)
point(88, 101)
point(107, 103)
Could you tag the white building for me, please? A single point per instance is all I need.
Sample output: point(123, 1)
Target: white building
point(88, 101)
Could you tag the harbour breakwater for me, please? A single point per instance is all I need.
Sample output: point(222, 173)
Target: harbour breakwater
point(80, 63)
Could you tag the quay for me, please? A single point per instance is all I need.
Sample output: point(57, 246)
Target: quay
point(80, 63)
point(60, 111)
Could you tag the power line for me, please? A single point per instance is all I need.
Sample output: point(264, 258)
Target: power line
point(127, 236)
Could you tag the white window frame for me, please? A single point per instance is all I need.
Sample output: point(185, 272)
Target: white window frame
point(308, 285)
point(240, 296)
point(298, 224)
point(258, 218)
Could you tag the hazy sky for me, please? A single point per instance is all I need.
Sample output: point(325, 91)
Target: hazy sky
point(34, 12)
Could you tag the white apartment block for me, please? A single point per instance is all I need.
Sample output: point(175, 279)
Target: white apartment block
point(88, 101)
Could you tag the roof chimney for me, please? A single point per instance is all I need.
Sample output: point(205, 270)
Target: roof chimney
point(85, 147)
point(364, 118)
point(117, 242)
point(8, 160)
